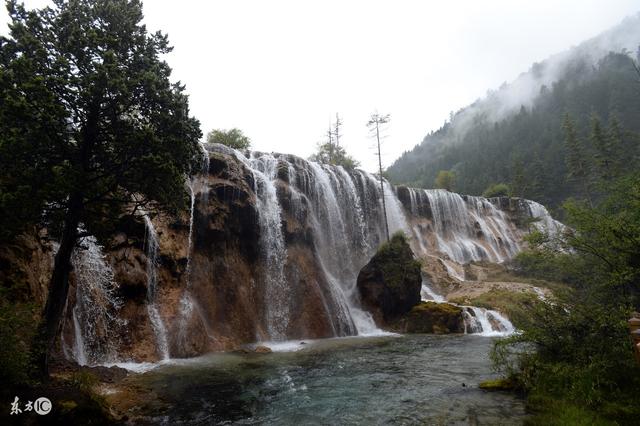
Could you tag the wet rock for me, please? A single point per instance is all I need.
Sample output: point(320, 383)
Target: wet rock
point(263, 350)
point(431, 317)
point(390, 283)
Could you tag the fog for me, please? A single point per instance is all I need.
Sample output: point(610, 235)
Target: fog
point(280, 70)
point(526, 87)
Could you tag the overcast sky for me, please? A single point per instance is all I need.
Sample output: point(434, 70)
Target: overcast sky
point(280, 70)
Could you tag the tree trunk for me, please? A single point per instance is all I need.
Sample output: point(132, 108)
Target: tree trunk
point(49, 328)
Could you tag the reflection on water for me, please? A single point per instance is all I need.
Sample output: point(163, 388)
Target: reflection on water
point(419, 379)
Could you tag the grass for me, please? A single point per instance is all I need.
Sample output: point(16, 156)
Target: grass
point(515, 305)
point(552, 412)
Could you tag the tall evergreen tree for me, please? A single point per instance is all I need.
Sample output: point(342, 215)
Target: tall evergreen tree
point(90, 128)
point(616, 143)
point(518, 180)
point(603, 150)
point(575, 157)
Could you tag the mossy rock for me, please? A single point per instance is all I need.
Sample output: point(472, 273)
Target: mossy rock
point(390, 283)
point(497, 385)
point(431, 317)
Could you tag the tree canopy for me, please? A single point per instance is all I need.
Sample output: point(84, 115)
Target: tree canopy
point(331, 152)
point(445, 180)
point(525, 147)
point(233, 138)
point(91, 127)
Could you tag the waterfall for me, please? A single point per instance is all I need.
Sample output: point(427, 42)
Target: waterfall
point(486, 322)
point(327, 218)
point(151, 241)
point(195, 185)
point(95, 314)
point(464, 228)
point(480, 321)
point(544, 222)
point(428, 294)
point(264, 167)
point(344, 211)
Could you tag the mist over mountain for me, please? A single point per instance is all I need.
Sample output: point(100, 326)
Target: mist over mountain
point(514, 135)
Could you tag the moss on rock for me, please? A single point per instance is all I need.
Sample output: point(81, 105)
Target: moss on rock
point(390, 283)
point(516, 305)
point(431, 317)
point(497, 385)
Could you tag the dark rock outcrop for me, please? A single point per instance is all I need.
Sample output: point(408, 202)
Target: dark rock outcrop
point(390, 283)
point(431, 317)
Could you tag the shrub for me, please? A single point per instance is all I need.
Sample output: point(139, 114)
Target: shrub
point(496, 190)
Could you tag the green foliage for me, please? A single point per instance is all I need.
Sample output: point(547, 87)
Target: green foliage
point(445, 180)
point(233, 138)
point(330, 153)
point(519, 182)
point(432, 317)
point(483, 148)
point(84, 381)
point(559, 412)
point(544, 264)
point(516, 305)
point(396, 261)
point(17, 328)
point(577, 348)
point(496, 190)
point(88, 109)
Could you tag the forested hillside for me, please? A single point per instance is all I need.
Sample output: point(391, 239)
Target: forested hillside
point(516, 136)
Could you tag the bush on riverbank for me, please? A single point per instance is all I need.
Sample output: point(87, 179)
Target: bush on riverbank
point(576, 351)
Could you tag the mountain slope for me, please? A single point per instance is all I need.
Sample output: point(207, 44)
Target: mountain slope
point(514, 135)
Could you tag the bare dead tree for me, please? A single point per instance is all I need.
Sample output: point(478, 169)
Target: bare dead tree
point(336, 129)
point(374, 127)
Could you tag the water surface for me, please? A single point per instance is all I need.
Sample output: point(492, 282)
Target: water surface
point(417, 379)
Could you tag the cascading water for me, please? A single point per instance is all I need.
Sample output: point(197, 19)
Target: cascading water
point(95, 314)
point(196, 185)
point(347, 225)
point(337, 223)
point(272, 242)
point(486, 322)
point(160, 331)
point(470, 228)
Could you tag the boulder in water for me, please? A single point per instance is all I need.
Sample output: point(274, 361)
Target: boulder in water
point(432, 317)
point(263, 350)
point(390, 283)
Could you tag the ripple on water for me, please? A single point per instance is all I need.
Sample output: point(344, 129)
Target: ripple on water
point(403, 380)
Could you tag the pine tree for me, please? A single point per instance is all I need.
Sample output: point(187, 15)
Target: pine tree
point(603, 150)
point(538, 179)
point(577, 165)
point(91, 128)
point(518, 181)
point(616, 143)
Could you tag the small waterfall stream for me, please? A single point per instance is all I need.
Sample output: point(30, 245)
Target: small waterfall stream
point(95, 314)
point(195, 185)
point(160, 331)
point(485, 322)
